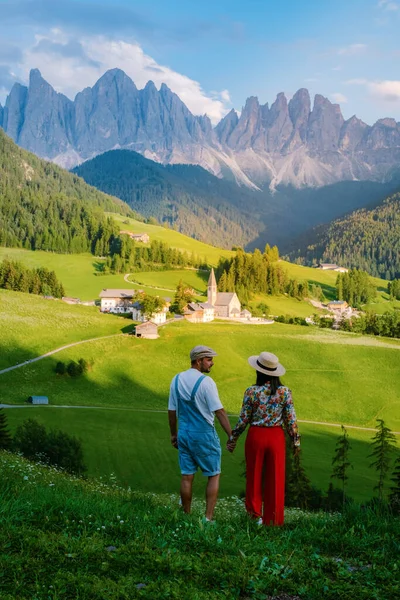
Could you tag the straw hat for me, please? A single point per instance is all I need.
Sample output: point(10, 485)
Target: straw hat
point(267, 363)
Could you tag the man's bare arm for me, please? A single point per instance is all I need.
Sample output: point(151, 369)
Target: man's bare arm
point(173, 427)
point(224, 421)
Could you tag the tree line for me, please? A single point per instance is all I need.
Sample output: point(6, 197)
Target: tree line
point(127, 256)
point(15, 276)
point(366, 239)
point(355, 287)
point(300, 492)
point(256, 272)
point(43, 207)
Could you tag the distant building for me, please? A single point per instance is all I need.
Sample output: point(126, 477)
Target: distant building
point(117, 301)
point(147, 330)
point(138, 237)
point(159, 317)
point(201, 312)
point(331, 267)
point(38, 399)
point(337, 306)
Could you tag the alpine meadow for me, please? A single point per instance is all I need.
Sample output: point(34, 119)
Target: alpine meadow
point(199, 301)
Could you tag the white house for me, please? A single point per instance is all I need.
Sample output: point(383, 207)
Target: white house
point(331, 267)
point(138, 237)
point(199, 312)
point(158, 318)
point(116, 301)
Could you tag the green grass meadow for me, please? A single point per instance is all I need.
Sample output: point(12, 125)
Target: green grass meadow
point(335, 377)
point(67, 538)
point(31, 326)
point(173, 238)
point(135, 446)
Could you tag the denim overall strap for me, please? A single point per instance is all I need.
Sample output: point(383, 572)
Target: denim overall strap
point(190, 418)
point(196, 387)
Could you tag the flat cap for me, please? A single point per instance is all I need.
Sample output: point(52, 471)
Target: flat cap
point(201, 352)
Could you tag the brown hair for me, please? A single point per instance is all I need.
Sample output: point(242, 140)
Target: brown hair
point(263, 379)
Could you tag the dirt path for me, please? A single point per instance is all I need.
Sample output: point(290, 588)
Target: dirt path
point(32, 360)
point(153, 287)
point(149, 410)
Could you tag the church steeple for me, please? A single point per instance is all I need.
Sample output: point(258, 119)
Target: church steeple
point(212, 289)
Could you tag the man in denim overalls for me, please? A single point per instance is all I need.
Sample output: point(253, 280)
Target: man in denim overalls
point(193, 401)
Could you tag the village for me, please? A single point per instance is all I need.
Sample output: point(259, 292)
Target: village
point(220, 305)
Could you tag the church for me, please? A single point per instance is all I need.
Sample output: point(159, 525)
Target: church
point(226, 304)
point(219, 304)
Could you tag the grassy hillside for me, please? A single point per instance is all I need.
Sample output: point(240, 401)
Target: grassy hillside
point(135, 446)
point(92, 541)
point(335, 378)
point(31, 326)
point(173, 238)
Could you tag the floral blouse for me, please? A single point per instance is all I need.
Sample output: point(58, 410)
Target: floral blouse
point(260, 409)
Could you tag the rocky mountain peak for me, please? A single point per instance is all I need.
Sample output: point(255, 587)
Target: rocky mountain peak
point(287, 142)
point(391, 123)
point(226, 125)
point(324, 125)
point(150, 88)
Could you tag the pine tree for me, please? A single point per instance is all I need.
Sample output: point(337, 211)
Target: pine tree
point(383, 444)
point(5, 436)
point(394, 494)
point(340, 461)
point(299, 488)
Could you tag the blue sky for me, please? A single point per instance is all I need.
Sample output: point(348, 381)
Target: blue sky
point(212, 54)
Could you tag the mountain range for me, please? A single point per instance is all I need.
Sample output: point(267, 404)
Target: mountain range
point(296, 143)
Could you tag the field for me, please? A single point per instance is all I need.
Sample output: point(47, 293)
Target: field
point(136, 461)
point(173, 238)
point(335, 377)
point(31, 326)
point(166, 281)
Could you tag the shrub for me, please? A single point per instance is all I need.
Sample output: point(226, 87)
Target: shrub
point(61, 368)
point(55, 447)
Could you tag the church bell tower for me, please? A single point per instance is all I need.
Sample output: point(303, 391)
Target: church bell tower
point(212, 289)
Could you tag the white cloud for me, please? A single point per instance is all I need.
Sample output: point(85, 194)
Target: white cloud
point(387, 90)
point(339, 98)
point(71, 74)
point(352, 50)
point(338, 68)
point(389, 5)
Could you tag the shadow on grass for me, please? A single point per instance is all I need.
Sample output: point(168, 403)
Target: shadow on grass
point(98, 267)
point(329, 291)
point(119, 436)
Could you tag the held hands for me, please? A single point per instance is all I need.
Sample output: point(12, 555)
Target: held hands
point(174, 441)
point(230, 445)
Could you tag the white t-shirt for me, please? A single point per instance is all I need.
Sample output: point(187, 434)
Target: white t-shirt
point(206, 399)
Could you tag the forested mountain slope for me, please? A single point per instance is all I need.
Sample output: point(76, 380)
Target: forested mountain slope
point(186, 197)
point(44, 207)
point(365, 239)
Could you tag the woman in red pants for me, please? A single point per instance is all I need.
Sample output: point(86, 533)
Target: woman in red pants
point(267, 406)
